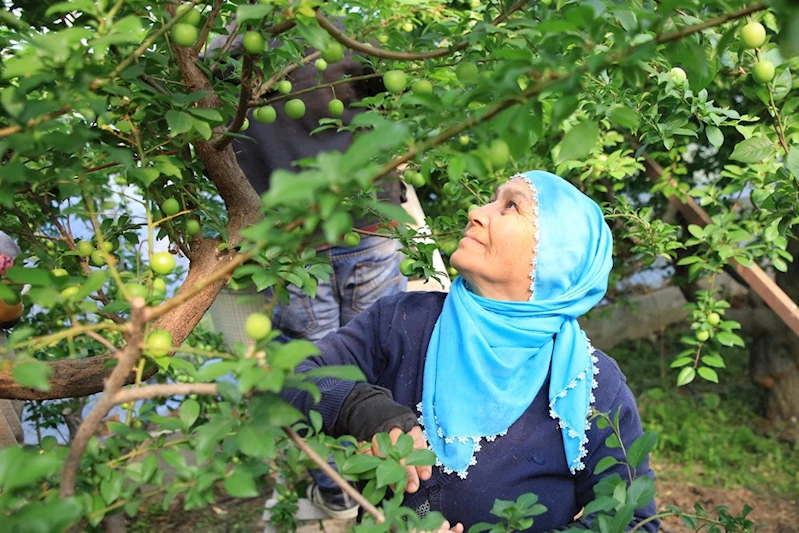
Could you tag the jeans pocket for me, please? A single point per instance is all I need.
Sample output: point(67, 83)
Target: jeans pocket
point(295, 319)
point(375, 279)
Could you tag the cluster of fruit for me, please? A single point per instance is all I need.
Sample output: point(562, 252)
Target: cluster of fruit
point(295, 108)
point(753, 35)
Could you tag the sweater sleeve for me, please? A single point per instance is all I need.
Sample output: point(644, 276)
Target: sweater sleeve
point(357, 343)
point(630, 429)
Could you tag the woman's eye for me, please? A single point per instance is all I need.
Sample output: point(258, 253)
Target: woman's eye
point(511, 205)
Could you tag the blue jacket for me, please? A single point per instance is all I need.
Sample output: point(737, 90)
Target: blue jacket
point(389, 341)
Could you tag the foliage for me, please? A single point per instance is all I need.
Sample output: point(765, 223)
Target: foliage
point(108, 116)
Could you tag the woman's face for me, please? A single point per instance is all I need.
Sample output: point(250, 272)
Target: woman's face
point(495, 255)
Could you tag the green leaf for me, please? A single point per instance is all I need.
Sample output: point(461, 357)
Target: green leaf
point(715, 136)
point(792, 161)
point(389, 471)
point(213, 371)
point(603, 503)
point(729, 339)
point(604, 464)
point(578, 142)
point(93, 283)
point(686, 376)
point(288, 356)
point(708, 374)
point(38, 277)
point(613, 441)
point(256, 12)
point(111, 488)
point(32, 373)
point(420, 458)
point(456, 167)
point(256, 440)
point(373, 493)
point(358, 464)
point(641, 491)
point(682, 361)
point(189, 412)
point(696, 231)
point(625, 117)
point(350, 372)
point(179, 122)
point(754, 150)
point(240, 483)
point(714, 360)
point(269, 408)
point(639, 449)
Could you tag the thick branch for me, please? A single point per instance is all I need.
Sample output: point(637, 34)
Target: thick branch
point(244, 99)
point(163, 391)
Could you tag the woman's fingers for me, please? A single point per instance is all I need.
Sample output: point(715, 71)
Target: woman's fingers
point(446, 528)
point(419, 443)
point(458, 528)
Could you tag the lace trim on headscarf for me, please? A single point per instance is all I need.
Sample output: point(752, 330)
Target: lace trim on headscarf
point(476, 446)
point(590, 372)
point(537, 230)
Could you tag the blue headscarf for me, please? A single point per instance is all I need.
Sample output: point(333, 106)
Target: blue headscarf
point(488, 359)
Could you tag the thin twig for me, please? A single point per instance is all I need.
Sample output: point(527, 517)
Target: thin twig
point(163, 391)
point(206, 29)
point(402, 56)
point(335, 476)
point(244, 99)
point(10, 130)
point(268, 84)
point(102, 340)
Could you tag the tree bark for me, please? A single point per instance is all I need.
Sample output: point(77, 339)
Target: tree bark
point(82, 377)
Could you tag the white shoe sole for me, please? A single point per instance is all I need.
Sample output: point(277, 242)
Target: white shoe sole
point(316, 499)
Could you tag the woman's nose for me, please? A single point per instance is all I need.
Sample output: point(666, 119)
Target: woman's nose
point(479, 215)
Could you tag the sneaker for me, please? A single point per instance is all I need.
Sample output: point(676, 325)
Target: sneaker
point(337, 505)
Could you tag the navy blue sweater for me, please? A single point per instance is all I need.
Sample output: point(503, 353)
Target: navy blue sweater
point(389, 341)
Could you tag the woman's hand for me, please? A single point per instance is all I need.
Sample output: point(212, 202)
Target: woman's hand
point(446, 528)
point(416, 474)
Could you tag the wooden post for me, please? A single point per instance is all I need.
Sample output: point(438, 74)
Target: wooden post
point(755, 277)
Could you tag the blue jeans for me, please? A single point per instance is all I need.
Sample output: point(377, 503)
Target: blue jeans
point(361, 275)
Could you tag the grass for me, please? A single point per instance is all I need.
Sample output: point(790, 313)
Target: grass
point(709, 434)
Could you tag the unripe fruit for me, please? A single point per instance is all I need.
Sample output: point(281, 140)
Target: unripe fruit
point(107, 246)
point(265, 114)
point(422, 87)
point(464, 140)
point(333, 53)
point(245, 125)
point(159, 343)
point(416, 179)
point(184, 34)
point(192, 16)
point(284, 87)
point(162, 263)
point(294, 108)
point(763, 72)
point(702, 335)
point(753, 35)
point(258, 326)
point(84, 248)
point(159, 287)
point(352, 239)
point(69, 292)
point(450, 189)
point(135, 290)
point(466, 72)
point(406, 267)
point(97, 258)
point(170, 206)
point(678, 76)
point(253, 42)
point(382, 38)
point(713, 319)
point(192, 226)
point(60, 272)
point(336, 107)
point(395, 81)
point(499, 153)
point(320, 64)
point(407, 26)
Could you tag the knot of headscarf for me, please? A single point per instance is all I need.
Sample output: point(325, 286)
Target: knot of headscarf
point(488, 359)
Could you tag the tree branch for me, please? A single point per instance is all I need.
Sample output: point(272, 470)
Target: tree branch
point(163, 391)
point(127, 359)
point(268, 84)
point(335, 476)
point(244, 99)
point(10, 130)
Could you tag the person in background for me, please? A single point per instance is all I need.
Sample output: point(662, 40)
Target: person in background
point(496, 377)
point(361, 274)
point(10, 411)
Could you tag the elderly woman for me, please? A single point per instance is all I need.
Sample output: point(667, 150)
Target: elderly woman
point(501, 376)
